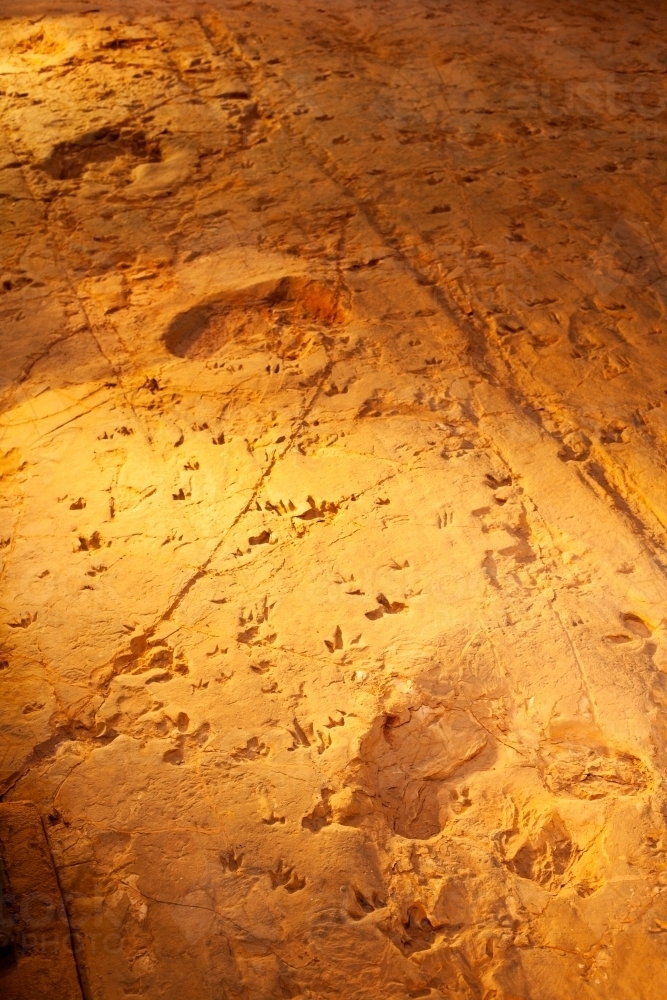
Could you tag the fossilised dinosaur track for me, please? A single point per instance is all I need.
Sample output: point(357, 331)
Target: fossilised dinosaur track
point(332, 458)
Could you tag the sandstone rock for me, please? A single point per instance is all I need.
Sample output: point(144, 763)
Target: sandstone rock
point(332, 486)
point(36, 958)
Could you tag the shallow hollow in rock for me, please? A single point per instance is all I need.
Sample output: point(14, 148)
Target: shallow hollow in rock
point(403, 765)
point(68, 160)
point(266, 312)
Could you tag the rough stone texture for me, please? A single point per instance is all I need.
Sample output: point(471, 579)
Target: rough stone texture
point(333, 448)
point(36, 962)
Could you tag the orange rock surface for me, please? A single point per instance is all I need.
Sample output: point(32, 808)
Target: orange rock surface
point(36, 958)
point(332, 444)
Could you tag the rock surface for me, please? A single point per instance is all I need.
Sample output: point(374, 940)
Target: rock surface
point(36, 958)
point(332, 447)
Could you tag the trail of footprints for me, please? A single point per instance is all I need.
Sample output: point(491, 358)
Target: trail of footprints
point(282, 876)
